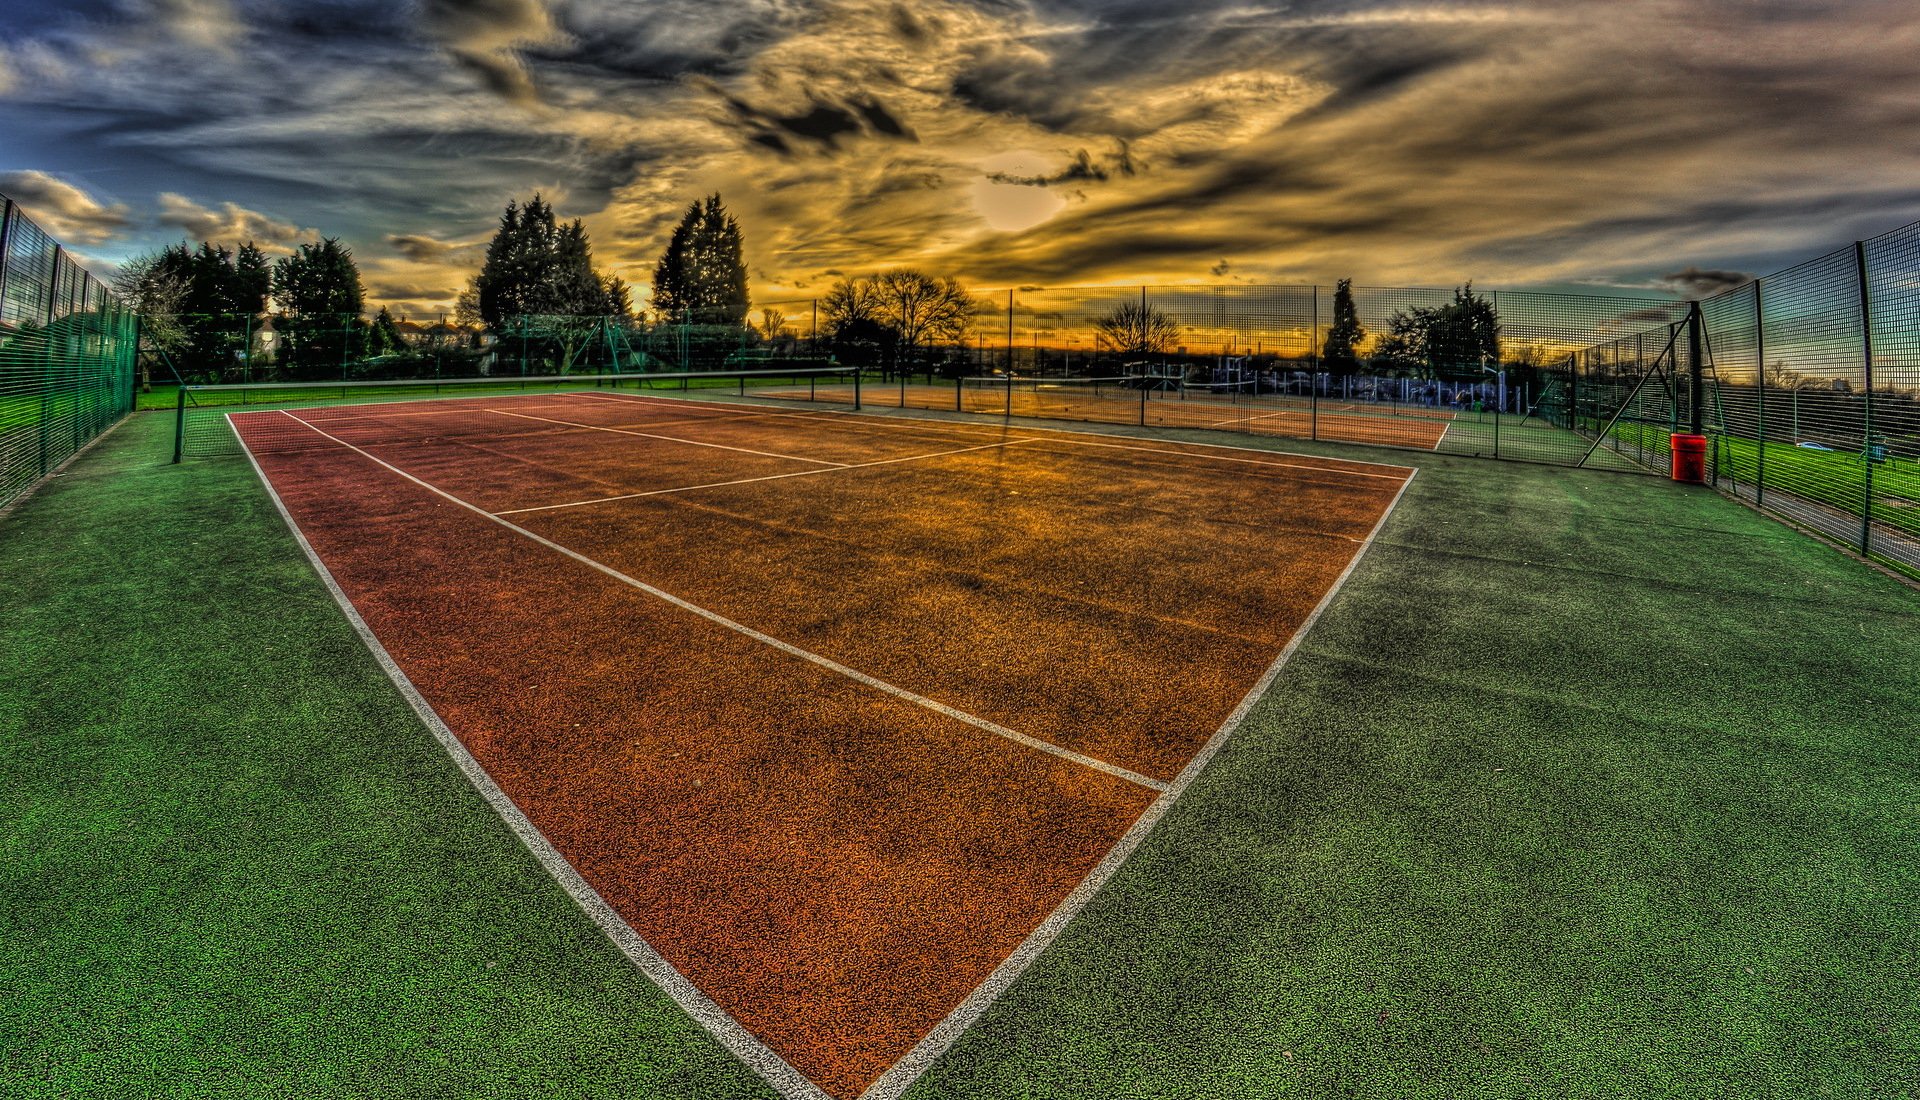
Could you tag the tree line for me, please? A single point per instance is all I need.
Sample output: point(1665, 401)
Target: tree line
point(540, 302)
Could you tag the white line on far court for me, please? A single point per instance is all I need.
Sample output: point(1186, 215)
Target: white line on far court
point(752, 480)
point(788, 648)
point(668, 438)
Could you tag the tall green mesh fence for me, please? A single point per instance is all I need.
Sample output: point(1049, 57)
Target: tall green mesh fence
point(66, 354)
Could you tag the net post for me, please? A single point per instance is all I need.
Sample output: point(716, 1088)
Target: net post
point(856, 389)
point(959, 393)
point(179, 422)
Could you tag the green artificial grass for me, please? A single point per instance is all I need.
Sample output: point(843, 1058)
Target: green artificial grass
point(233, 862)
point(1588, 785)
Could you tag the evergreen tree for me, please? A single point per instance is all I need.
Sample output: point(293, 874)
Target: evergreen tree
point(252, 280)
point(702, 275)
point(1453, 339)
point(536, 266)
point(1345, 334)
point(1464, 335)
point(318, 290)
point(619, 299)
point(384, 337)
point(209, 309)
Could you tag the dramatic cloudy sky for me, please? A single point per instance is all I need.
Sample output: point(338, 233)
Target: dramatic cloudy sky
point(1010, 142)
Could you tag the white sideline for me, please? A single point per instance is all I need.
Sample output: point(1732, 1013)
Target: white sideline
point(789, 1082)
point(902, 1074)
point(753, 480)
point(897, 1079)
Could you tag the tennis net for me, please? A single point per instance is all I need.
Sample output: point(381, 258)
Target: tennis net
point(212, 420)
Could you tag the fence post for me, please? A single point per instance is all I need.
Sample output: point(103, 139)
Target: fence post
point(7, 212)
point(1313, 339)
point(1760, 389)
point(1573, 393)
point(1696, 372)
point(179, 421)
point(1866, 351)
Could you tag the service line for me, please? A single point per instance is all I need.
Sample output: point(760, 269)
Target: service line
point(668, 438)
point(752, 480)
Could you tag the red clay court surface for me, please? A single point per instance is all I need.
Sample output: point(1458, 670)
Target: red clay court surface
point(1336, 419)
point(832, 711)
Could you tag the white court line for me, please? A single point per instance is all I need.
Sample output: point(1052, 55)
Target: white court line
point(1316, 463)
point(902, 1074)
point(845, 419)
point(765, 639)
point(1262, 416)
point(753, 480)
point(668, 438)
point(789, 1082)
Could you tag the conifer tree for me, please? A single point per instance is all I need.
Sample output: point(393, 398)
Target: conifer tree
point(702, 274)
point(1345, 334)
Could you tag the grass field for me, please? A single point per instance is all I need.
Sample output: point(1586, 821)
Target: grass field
point(1583, 786)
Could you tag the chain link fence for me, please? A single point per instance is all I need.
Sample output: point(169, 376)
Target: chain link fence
point(66, 354)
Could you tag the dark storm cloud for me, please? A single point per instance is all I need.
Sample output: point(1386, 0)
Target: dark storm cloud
point(823, 122)
point(1413, 141)
point(1082, 170)
point(1695, 282)
point(485, 37)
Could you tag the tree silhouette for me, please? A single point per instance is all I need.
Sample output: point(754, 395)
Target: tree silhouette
point(1345, 334)
point(702, 274)
point(318, 289)
point(1136, 329)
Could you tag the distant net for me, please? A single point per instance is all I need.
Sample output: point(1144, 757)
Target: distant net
point(1114, 386)
point(1221, 391)
point(280, 417)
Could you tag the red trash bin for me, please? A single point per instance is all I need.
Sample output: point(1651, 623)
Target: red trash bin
point(1690, 458)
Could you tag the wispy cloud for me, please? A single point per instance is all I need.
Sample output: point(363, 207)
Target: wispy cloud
point(1009, 141)
point(65, 210)
point(231, 224)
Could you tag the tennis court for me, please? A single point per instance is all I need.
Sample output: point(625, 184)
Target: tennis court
point(831, 721)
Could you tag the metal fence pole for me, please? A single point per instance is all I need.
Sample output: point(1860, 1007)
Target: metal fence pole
point(7, 213)
point(179, 421)
point(1760, 390)
point(1866, 352)
point(1696, 372)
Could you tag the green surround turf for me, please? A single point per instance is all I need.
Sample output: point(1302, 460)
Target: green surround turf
point(233, 862)
point(1588, 785)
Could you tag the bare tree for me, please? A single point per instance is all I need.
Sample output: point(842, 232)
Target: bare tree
point(771, 322)
point(850, 301)
point(155, 291)
point(1779, 377)
point(925, 310)
point(1136, 330)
